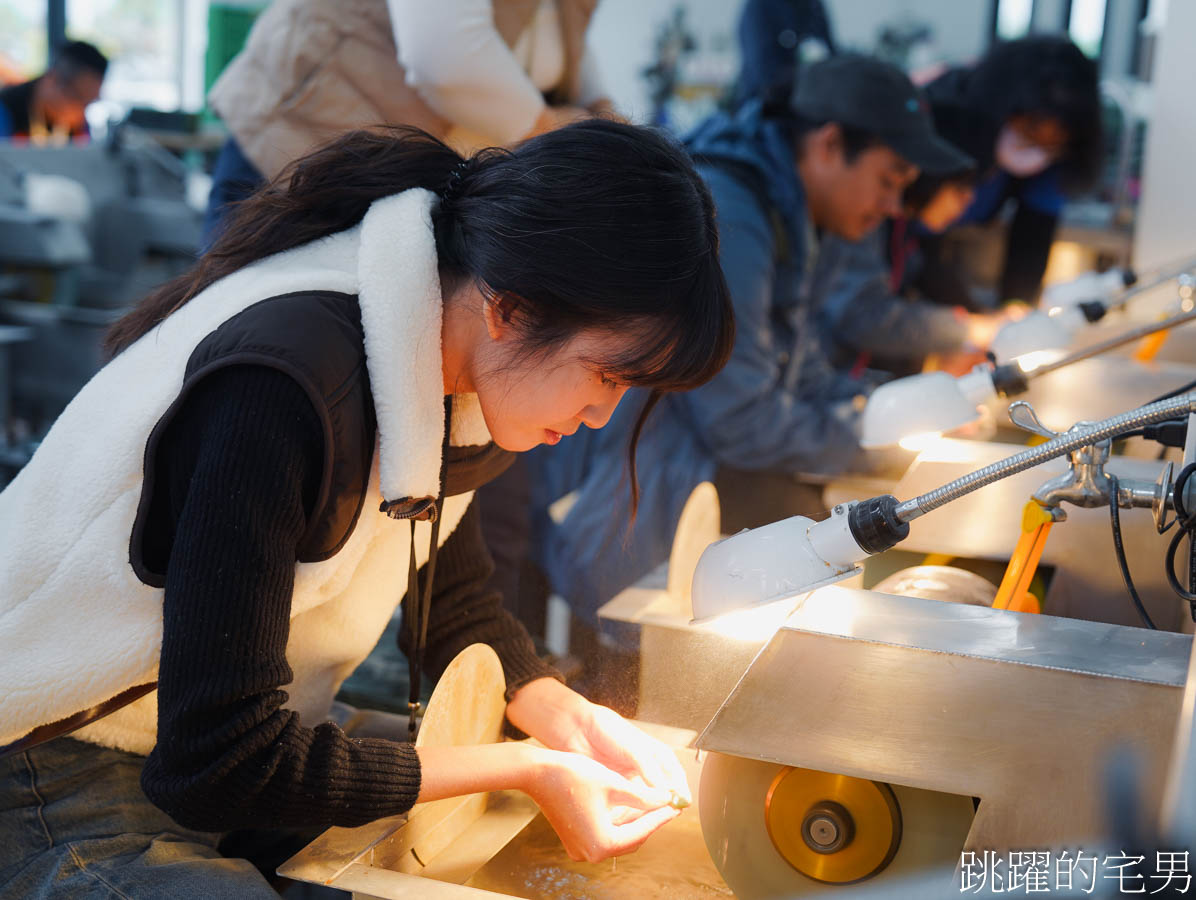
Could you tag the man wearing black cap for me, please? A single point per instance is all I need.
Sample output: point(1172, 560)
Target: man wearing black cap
point(837, 161)
point(50, 108)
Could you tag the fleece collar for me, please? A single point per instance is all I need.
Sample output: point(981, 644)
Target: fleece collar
point(401, 315)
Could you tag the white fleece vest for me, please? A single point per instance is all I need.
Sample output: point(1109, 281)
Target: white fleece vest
point(77, 627)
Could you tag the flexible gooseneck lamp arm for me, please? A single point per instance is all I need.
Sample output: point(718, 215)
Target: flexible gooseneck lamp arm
point(1009, 379)
point(1056, 447)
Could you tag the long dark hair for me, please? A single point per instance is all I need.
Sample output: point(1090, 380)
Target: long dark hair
point(1045, 75)
point(596, 225)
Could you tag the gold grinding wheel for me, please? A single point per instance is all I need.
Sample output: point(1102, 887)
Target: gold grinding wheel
point(832, 828)
point(753, 812)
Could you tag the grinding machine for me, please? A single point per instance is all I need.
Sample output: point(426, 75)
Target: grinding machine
point(848, 741)
point(865, 735)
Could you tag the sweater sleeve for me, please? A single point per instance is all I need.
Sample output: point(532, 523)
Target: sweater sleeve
point(242, 464)
point(464, 612)
point(458, 63)
point(860, 312)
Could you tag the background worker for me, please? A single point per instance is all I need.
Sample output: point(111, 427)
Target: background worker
point(775, 38)
point(1029, 113)
point(50, 109)
point(478, 73)
point(875, 312)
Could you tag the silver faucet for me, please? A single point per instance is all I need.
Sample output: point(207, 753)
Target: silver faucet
point(1085, 483)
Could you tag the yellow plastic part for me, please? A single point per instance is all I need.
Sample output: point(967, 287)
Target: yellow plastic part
point(871, 806)
point(1036, 525)
point(1034, 515)
point(938, 559)
point(1027, 603)
point(1150, 346)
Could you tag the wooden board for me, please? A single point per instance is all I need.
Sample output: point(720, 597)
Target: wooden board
point(468, 704)
point(698, 528)
point(466, 709)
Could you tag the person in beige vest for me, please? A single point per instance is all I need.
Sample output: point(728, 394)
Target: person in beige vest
point(474, 72)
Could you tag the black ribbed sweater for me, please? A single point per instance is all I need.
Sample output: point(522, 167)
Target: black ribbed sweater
point(241, 467)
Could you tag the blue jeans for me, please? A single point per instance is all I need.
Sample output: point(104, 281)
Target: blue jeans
point(75, 823)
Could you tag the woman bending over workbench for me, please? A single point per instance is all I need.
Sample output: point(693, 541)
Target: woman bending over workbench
point(219, 527)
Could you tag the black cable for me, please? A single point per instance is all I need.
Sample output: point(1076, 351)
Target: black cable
point(1115, 518)
point(1175, 393)
point(1171, 433)
point(1187, 528)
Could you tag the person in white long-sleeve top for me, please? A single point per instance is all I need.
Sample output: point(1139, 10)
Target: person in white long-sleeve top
point(474, 72)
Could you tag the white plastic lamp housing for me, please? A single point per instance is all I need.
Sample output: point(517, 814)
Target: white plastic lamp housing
point(920, 404)
point(1036, 339)
point(977, 386)
point(1099, 286)
point(771, 563)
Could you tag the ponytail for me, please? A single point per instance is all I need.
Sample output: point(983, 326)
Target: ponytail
point(597, 225)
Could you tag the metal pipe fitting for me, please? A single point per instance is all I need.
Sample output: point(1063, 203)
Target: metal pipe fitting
point(1065, 443)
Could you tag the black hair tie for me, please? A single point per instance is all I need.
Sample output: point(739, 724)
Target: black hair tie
point(452, 186)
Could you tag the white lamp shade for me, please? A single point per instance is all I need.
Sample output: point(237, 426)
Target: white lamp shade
point(759, 566)
point(920, 404)
point(1099, 286)
point(1036, 333)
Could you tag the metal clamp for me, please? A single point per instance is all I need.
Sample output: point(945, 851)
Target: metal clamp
point(1162, 497)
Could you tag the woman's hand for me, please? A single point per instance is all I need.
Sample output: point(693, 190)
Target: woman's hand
point(596, 813)
point(983, 327)
point(564, 720)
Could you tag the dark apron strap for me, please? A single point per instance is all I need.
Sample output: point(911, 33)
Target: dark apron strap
point(417, 604)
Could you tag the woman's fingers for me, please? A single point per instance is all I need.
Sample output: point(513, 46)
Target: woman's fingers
point(626, 792)
point(675, 773)
point(629, 836)
point(617, 839)
point(657, 764)
point(631, 751)
point(597, 812)
point(621, 815)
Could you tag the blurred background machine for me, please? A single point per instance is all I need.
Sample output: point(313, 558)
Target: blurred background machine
point(85, 231)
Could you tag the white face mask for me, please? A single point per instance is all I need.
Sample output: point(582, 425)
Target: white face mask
point(1018, 157)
